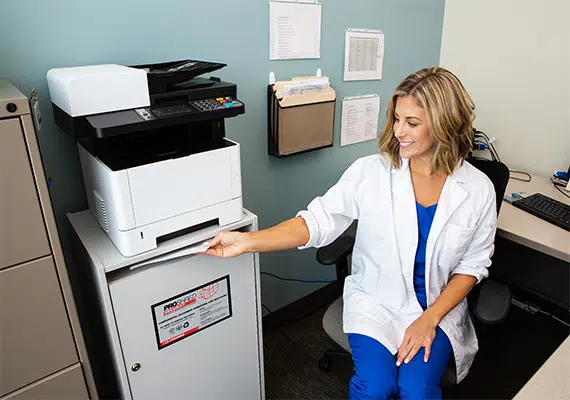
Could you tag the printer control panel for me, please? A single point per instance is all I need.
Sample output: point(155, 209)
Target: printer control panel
point(219, 103)
point(158, 116)
point(224, 106)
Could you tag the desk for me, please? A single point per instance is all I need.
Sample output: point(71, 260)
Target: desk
point(532, 254)
point(551, 381)
point(530, 231)
point(538, 261)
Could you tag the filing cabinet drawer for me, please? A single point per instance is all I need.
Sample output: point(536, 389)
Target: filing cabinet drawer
point(65, 385)
point(34, 328)
point(23, 235)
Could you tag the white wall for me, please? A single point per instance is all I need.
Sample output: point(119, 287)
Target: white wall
point(513, 56)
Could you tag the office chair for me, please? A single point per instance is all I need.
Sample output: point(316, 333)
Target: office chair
point(490, 299)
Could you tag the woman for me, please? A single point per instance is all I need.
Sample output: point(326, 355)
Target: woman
point(426, 227)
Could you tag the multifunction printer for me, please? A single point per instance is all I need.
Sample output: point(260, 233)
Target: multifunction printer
point(151, 138)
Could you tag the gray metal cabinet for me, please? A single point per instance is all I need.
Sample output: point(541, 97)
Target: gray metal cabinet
point(34, 323)
point(65, 385)
point(22, 230)
point(42, 349)
point(177, 325)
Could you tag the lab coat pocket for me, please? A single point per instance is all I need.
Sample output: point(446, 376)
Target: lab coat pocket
point(455, 242)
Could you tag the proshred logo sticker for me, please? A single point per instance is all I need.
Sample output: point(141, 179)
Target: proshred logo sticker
point(183, 315)
point(179, 304)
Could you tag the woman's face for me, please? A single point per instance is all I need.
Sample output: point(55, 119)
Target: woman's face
point(411, 129)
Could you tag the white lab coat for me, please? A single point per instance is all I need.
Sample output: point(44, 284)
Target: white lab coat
point(379, 295)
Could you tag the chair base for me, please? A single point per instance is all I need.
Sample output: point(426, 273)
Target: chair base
point(325, 363)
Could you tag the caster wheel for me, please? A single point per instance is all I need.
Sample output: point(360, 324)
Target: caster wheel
point(325, 364)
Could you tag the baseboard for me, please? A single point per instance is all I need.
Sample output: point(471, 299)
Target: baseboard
point(302, 307)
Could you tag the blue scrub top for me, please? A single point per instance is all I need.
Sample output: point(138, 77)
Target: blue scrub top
point(425, 219)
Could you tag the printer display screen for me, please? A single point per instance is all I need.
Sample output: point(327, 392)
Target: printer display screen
point(165, 111)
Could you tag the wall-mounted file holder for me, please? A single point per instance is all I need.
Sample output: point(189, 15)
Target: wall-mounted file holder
point(298, 123)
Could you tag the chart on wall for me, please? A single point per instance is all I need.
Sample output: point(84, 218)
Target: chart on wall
point(294, 30)
point(363, 54)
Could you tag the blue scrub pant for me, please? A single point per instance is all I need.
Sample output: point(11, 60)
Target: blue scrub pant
point(377, 377)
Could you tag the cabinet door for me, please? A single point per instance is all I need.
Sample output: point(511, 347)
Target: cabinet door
point(35, 336)
point(189, 329)
point(65, 385)
point(22, 231)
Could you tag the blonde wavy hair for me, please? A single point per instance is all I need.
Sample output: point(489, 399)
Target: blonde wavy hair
point(450, 114)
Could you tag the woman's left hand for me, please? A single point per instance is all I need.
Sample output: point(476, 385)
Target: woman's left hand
point(420, 333)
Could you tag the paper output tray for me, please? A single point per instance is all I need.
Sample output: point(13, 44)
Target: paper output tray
point(135, 150)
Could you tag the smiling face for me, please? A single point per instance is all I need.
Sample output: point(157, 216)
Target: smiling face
point(429, 119)
point(411, 129)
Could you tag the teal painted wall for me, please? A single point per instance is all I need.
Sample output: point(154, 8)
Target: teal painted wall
point(38, 35)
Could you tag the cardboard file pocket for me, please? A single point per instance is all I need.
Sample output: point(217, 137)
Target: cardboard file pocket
point(300, 122)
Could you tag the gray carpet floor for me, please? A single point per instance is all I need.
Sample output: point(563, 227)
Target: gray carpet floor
point(291, 357)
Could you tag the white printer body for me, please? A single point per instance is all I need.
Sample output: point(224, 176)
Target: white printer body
point(151, 170)
point(136, 206)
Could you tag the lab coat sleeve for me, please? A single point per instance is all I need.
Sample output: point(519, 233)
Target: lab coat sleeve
point(477, 258)
point(328, 216)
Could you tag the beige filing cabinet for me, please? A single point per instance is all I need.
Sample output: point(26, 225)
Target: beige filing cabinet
point(42, 353)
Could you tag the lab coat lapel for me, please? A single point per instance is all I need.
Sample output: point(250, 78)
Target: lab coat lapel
point(452, 195)
point(405, 217)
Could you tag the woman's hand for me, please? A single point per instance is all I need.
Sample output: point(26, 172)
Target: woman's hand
point(420, 333)
point(286, 235)
point(228, 244)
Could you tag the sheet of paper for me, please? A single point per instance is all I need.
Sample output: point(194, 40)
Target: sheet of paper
point(187, 251)
point(359, 119)
point(363, 55)
point(294, 30)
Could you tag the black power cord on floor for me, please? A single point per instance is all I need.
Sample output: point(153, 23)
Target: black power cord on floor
point(293, 280)
point(320, 306)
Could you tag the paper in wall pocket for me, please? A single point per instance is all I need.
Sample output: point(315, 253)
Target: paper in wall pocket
point(301, 122)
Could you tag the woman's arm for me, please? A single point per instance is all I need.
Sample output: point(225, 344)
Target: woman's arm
point(286, 235)
point(324, 220)
point(421, 333)
point(457, 289)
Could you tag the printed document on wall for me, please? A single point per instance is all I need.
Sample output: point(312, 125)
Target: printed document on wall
point(363, 54)
point(294, 30)
point(359, 119)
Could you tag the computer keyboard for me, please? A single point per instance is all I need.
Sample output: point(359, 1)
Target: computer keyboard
point(547, 208)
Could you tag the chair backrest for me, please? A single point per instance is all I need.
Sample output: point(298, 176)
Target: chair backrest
point(497, 172)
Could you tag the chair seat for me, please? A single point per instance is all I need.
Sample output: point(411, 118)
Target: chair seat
point(332, 324)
